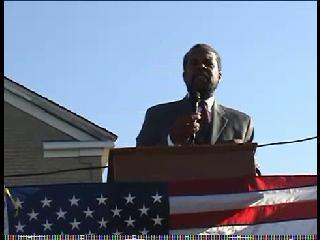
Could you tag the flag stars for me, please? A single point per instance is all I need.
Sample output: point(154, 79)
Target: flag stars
point(74, 201)
point(33, 215)
point(116, 211)
point(144, 210)
point(58, 217)
point(88, 212)
point(102, 200)
point(46, 202)
point(103, 223)
point(156, 198)
point(144, 231)
point(130, 222)
point(75, 224)
point(129, 199)
point(18, 204)
point(47, 225)
point(117, 232)
point(19, 227)
point(157, 220)
point(61, 214)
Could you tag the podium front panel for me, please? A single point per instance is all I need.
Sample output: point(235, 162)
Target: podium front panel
point(146, 164)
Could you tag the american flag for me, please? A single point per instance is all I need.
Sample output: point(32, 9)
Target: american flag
point(260, 205)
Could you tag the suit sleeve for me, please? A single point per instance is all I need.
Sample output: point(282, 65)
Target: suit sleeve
point(148, 135)
point(249, 138)
point(249, 135)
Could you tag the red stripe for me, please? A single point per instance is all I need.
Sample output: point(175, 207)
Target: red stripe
point(250, 215)
point(236, 185)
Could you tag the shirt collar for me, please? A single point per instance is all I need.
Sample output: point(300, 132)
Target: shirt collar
point(209, 103)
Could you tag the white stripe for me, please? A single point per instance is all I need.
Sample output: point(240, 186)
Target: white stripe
point(5, 219)
point(196, 204)
point(284, 228)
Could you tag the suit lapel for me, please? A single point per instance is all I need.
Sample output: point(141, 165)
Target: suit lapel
point(219, 121)
point(184, 107)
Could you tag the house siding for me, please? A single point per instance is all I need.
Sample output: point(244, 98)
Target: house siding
point(23, 152)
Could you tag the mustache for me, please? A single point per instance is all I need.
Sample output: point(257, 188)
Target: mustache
point(201, 74)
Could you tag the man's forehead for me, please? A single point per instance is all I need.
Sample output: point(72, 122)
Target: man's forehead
point(203, 53)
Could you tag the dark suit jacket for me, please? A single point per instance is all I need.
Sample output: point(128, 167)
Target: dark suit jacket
point(227, 124)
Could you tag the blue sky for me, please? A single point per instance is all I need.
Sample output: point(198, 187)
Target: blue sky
point(110, 61)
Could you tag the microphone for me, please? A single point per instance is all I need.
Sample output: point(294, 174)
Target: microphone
point(195, 99)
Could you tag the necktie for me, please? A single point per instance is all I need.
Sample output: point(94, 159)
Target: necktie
point(203, 136)
point(205, 114)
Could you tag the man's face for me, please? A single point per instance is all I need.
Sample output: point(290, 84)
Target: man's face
point(201, 72)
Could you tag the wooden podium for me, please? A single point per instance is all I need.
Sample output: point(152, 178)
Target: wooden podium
point(157, 164)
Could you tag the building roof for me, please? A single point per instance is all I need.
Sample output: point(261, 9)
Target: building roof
point(59, 111)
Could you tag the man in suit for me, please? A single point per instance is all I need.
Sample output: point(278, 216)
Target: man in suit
point(177, 123)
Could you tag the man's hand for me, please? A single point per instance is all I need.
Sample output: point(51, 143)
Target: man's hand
point(184, 127)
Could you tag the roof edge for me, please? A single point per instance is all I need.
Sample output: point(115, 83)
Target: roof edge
point(59, 111)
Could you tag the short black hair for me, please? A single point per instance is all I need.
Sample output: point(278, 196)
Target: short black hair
point(202, 46)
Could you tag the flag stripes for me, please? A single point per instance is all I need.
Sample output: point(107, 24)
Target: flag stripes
point(250, 215)
point(236, 185)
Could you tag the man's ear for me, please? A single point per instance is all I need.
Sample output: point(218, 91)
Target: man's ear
point(220, 76)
